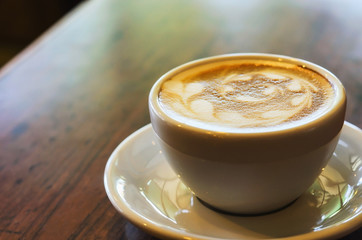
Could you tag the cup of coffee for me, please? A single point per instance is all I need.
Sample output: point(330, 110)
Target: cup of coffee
point(247, 133)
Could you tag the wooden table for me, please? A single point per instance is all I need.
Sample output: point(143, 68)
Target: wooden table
point(74, 94)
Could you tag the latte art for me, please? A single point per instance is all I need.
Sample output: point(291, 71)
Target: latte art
point(246, 96)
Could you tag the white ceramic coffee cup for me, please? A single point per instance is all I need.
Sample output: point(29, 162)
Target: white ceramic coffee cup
point(254, 172)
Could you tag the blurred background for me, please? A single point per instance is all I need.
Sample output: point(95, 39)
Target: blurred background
point(22, 21)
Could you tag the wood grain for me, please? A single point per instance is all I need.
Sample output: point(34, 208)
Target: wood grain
point(74, 94)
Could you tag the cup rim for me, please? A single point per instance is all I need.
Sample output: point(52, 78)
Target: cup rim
point(338, 101)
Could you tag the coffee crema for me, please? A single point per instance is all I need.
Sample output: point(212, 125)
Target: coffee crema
point(246, 95)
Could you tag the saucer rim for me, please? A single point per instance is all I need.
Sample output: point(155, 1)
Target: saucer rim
point(163, 231)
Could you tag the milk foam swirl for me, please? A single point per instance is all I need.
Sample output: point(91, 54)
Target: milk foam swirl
point(252, 99)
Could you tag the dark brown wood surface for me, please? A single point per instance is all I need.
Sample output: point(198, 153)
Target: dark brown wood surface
point(73, 95)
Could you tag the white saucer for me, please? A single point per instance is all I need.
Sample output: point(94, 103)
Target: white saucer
point(141, 185)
